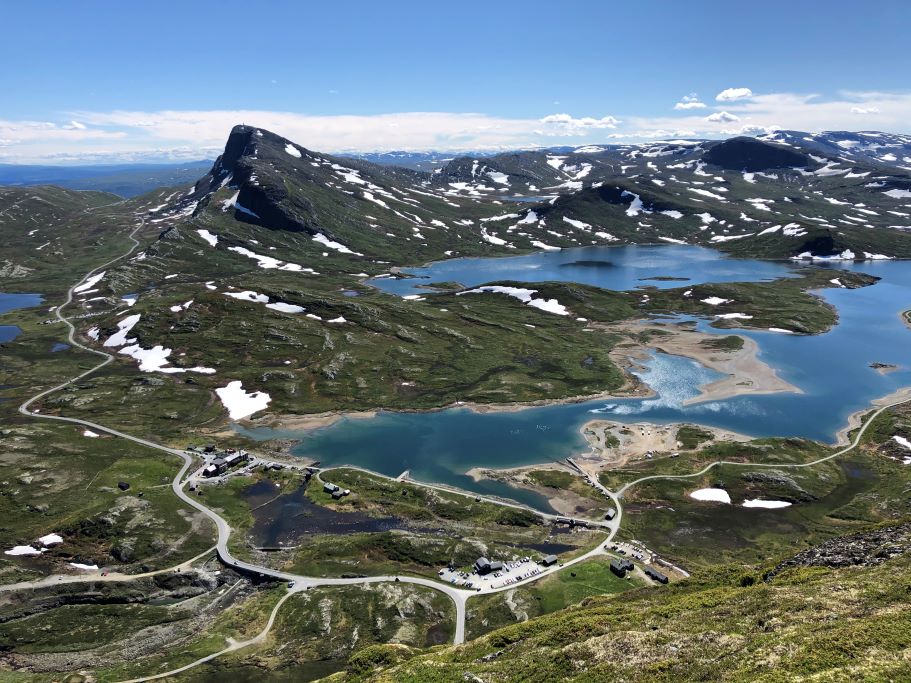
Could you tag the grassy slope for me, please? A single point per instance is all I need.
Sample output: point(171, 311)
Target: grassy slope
point(709, 628)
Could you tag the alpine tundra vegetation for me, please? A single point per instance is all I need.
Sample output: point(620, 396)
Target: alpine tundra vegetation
point(304, 377)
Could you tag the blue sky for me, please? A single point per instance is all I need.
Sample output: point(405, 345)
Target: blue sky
point(96, 80)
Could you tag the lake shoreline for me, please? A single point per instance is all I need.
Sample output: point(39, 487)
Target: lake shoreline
point(637, 440)
point(746, 374)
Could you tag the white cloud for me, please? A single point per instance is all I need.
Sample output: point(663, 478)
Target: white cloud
point(722, 117)
point(689, 105)
point(752, 130)
point(690, 101)
point(732, 94)
point(864, 110)
point(130, 136)
point(564, 124)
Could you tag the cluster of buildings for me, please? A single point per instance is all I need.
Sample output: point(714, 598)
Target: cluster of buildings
point(335, 490)
point(223, 461)
point(620, 566)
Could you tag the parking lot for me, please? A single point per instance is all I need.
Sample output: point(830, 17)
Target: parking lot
point(513, 571)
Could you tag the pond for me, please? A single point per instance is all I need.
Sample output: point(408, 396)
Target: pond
point(12, 302)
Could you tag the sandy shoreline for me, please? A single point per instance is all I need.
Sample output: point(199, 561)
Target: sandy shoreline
point(306, 422)
point(317, 420)
point(745, 372)
point(611, 445)
point(854, 419)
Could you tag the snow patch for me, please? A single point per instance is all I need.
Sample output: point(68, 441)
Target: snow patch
point(119, 338)
point(767, 504)
point(50, 539)
point(711, 495)
point(89, 283)
point(523, 295)
point(208, 237)
point(240, 403)
point(331, 244)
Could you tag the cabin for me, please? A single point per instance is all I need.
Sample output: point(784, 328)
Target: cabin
point(655, 575)
point(621, 566)
point(610, 514)
point(210, 471)
point(330, 488)
point(549, 560)
point(484, 566)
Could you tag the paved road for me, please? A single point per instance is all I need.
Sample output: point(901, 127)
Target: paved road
point(487, 499)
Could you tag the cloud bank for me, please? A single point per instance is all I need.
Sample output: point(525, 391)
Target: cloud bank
point(175, 135)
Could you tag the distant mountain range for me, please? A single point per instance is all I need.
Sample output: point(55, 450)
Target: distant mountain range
point(126, 180)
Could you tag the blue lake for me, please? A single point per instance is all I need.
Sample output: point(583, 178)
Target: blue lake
point(617, 268)
point(833, 371)
point(12, 302)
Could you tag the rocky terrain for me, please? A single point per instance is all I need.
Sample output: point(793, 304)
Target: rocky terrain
point(865, 549)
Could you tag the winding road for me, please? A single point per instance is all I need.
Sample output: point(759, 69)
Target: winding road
point(459, 596)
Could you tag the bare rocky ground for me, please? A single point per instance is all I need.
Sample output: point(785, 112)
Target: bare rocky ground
point(204, 593)
point(867, 549)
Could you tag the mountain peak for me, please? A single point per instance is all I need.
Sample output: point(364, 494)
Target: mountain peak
point(750, 154)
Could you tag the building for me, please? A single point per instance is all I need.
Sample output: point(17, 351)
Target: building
point(620, 567)
point(484, 566)
point(329, 488)
point(549, 560)
point(610, 514)
point(236, 458)
point(655, 575)
point(220, 465)
point(209, 471)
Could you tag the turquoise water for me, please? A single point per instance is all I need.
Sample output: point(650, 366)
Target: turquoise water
point(831, 369)
point(12, 302)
